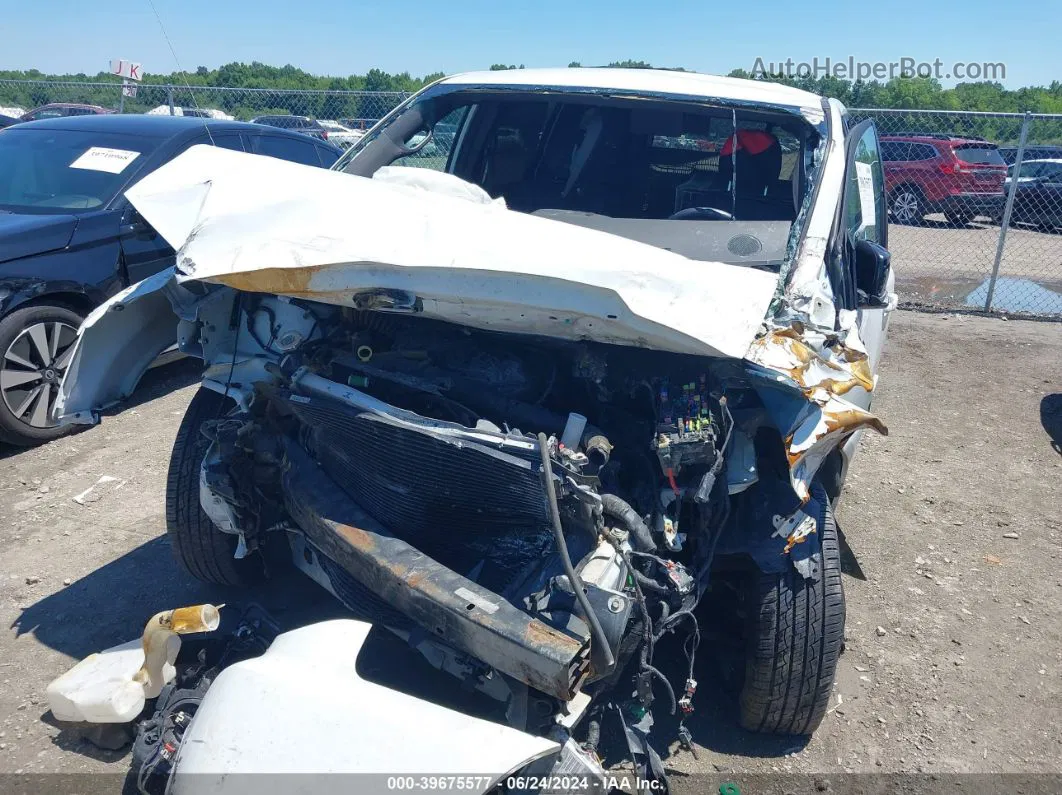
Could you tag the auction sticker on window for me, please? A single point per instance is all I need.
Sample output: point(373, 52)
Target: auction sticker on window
point(100, 158)
point(865, 180)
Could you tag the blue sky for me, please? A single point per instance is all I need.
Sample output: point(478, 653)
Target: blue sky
point(340, 37)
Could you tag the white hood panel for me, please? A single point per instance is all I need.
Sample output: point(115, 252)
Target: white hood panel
point(265, 225)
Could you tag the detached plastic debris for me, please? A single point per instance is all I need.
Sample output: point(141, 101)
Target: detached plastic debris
point(112, 686)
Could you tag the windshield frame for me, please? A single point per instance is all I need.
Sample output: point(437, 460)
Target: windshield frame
point(813, 155)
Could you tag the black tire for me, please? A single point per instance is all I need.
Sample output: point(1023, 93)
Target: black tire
point(795, 634)
point(907, 205)
point(199, 547)
point(14, 430)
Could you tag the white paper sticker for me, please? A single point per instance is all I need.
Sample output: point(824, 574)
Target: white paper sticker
point(475, 599)
point(100, 158)
point(865, 178)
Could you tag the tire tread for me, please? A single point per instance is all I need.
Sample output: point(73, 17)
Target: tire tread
point(796, 631)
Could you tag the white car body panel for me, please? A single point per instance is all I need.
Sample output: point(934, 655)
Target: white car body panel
point(326, 236)
point(315, 726)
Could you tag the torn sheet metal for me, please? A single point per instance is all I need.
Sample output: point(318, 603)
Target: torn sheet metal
point(809, 349)
point(801, 375)
point(334, 237)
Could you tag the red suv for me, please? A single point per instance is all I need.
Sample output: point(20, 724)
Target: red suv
point(931, 173)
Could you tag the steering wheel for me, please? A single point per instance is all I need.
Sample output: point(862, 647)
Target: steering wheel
point(701, 214)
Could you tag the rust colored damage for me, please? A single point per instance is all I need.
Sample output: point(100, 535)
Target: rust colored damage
point(823, 367)
point(837, 369)
point(552, 659)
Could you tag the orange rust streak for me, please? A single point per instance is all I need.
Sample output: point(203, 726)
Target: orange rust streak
point(540, 633)
point(356, 537)
point(288, 281)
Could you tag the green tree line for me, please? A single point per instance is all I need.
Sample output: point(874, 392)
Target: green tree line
point(912, 93)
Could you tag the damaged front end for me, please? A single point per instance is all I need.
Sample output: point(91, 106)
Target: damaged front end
point(527, 474)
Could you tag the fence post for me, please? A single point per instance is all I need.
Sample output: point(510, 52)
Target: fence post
point(169, 98)
point(121, 99)
point(1008, 208)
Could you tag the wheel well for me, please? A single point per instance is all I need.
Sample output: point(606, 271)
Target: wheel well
point(76, 302)
point(912, 186)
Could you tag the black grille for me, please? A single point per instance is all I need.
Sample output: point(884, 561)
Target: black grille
point(458, 501)
point(362, 602)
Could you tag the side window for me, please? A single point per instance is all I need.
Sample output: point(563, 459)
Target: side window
point(897, 151)
point(864, 195)
point(285, 148)
point(1030, 170)
point(925, 152)
point(229, 140)
point(327, 156)
point(226, 141)
point(434, 153)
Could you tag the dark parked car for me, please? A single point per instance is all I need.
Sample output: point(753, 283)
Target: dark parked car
point(1010, 153)
point(7, 121)
point(299, 124)
point(930, 173)
point(69, 239)
point(60, 110)
point(1038, 198)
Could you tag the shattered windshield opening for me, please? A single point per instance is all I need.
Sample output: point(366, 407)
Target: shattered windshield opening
point(660, 172)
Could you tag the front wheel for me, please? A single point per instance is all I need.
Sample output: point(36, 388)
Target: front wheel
point(199, 547)
point(795, 633)
point(36, 344)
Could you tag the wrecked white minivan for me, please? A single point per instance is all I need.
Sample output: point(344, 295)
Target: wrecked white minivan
point(548, 356)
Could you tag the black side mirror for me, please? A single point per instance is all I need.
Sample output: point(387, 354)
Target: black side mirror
point(872, 264)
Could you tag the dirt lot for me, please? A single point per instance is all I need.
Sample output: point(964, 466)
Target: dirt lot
point(940, 264)
point(953, 522)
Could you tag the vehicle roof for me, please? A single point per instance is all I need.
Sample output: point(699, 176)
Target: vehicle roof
point(644, 81)
point(69, 105)
point(935, 138)
point(138, 124)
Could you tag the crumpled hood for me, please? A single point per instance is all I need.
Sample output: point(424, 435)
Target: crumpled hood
point(264, 225)
point(28, 235)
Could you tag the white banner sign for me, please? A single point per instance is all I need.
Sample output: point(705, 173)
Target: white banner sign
point(127, 69)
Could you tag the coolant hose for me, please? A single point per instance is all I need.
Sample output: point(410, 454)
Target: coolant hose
point(620, 509)
point(562, 548)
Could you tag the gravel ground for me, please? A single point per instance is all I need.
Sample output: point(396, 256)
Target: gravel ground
point(953, 526)
point(940, 264)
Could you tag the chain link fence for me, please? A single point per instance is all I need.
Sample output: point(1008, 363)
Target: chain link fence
point(354, 110)
point(975, 208)
point(975, 198)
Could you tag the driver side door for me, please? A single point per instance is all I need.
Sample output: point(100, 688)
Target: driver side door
point(864, 216)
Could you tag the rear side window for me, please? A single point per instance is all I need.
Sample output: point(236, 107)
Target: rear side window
point(327, 156)
point(924, 152)
point(979, 155)
point(227, 140)
point(892, 151)
point(286, 149)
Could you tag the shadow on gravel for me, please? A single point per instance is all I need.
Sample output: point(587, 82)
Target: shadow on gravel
point(160, 381)
point(156, 382)
point(1051, 419)
point(112, 604)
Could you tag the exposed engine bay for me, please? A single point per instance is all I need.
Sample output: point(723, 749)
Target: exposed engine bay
point(403, 461)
